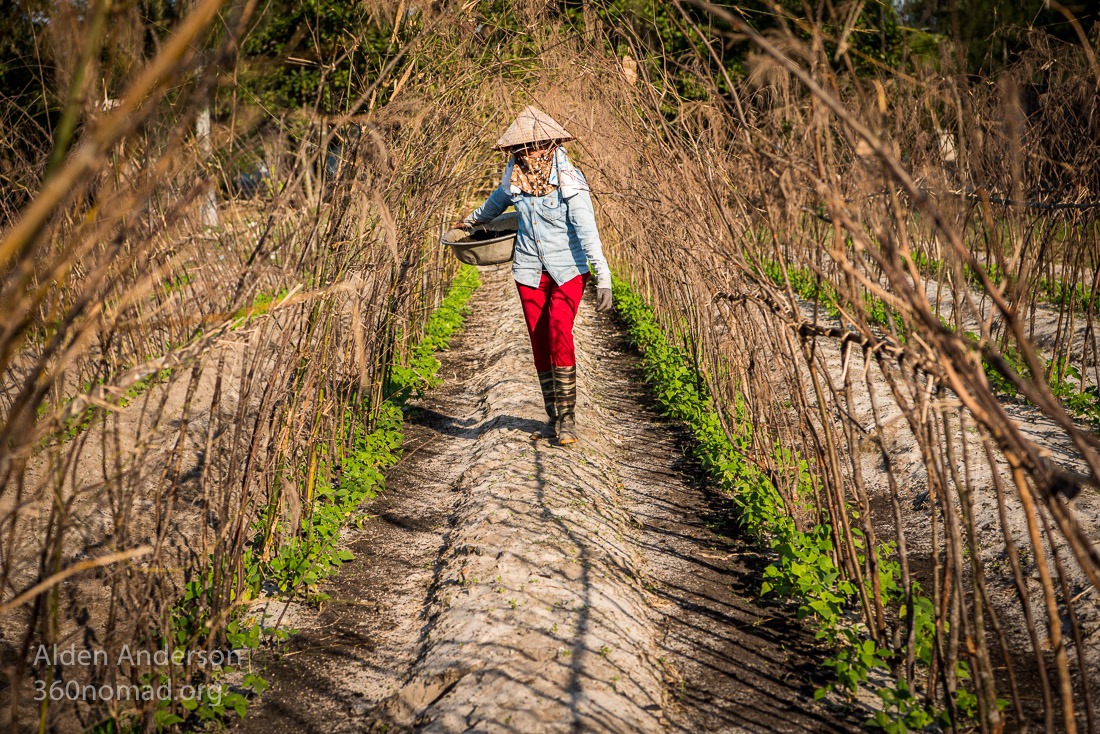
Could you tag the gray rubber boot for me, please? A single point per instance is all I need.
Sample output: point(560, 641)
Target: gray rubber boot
point(565, 386)
point(546, 382)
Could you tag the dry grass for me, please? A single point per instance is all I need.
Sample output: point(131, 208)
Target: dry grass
point(813, 241)
point(732, 217)
point(163, 383)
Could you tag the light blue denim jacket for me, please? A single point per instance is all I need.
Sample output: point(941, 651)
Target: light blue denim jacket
point(557, 232)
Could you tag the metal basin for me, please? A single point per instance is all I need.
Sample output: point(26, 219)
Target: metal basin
point(486, 244)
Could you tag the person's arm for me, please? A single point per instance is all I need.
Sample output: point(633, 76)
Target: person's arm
point(583, 218)
point(493, 207)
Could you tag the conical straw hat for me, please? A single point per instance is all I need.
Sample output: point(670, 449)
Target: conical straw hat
point(531, 126)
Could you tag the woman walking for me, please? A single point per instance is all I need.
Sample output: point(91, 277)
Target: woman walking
point(556, 242)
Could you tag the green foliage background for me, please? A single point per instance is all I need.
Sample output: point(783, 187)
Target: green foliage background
point(315, 54)
point(324, 55)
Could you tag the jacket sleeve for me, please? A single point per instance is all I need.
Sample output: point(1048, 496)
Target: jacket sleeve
point(493, 207)
point(583, 218)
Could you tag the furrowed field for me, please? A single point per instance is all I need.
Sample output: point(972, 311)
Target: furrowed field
point(857, 267)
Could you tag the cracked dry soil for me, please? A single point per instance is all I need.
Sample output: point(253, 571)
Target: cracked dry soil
point(506, 585)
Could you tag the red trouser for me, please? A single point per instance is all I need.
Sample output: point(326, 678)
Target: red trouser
point(550, 310)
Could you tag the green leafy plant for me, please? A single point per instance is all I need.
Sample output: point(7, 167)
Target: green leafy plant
point(373, 439)
point(803, 569)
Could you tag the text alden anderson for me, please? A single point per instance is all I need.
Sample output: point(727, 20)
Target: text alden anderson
point(53, 655)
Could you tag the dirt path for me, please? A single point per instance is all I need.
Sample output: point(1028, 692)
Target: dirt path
point(506, 585)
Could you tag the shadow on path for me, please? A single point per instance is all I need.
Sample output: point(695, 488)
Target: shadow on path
point(511, 586)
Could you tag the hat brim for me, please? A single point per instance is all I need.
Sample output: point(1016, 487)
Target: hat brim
point(532, 142)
